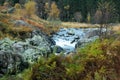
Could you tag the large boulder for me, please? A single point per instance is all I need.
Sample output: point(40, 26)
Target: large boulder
point(32, 48)
point(38, 32)
point(15, 55)
point(11, 63)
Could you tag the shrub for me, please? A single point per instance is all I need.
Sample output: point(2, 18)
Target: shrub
point(114, 51)
point(30, 8)
point(17, 6)
point(18, 9)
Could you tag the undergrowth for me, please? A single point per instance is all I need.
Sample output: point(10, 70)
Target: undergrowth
point(96, 61)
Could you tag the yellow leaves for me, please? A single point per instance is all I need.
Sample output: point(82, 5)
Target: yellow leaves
point(47, 8)
point(17, 6)
point(88, 18)
point(54, 12)
point(30, 8)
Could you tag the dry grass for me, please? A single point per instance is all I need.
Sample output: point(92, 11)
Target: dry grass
point(116, 27)
point(22, 29)
point(78, 25)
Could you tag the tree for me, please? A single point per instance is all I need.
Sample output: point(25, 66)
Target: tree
point(1, 2)
point(40, 7)
point(88, 18)
point(104, 15)
point(54, 12)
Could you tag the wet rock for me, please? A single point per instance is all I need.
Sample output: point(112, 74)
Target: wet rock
point(79, 43)
point(70, 33)
point(76, 38)
point(58, 49)
point(44, 36)
point(52, 42)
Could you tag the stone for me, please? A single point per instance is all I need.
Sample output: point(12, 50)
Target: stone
point(18, 47)
point(10, 62)
point(78, 44)
point(15, 55)
point(39, 44)
point(70, 33)
point(57, 49)
point(11, 10)
point(43, 35)
point(93, 33)
point(21, 23)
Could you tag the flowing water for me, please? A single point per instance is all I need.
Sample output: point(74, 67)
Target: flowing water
point(67, 38)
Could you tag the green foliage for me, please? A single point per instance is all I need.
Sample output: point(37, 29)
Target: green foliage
point(11, 78)
point(90, 62)
point(84, 65)
point(26, 74)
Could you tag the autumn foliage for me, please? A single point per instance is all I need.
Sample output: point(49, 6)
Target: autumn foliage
point(54, 12)
point(30, 8)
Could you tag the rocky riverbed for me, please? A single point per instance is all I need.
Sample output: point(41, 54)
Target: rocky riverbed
point(15, 55)
point(71, 38)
